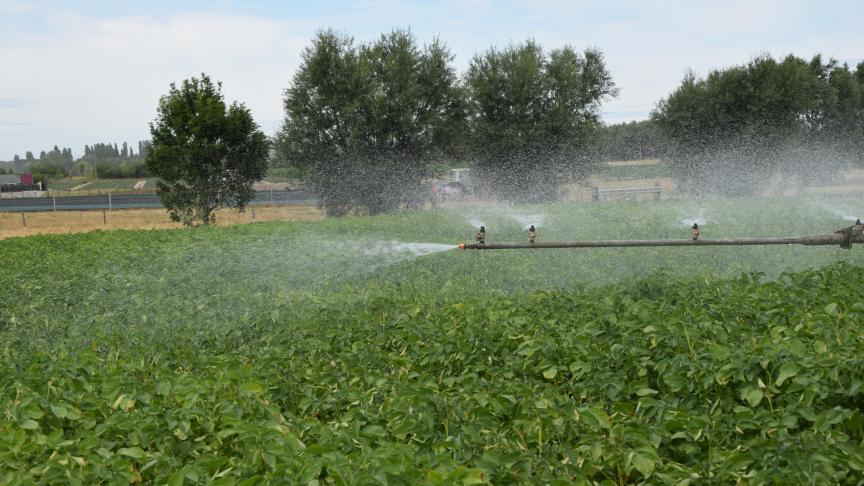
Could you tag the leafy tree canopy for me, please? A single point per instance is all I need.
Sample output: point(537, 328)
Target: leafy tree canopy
point(207, 154)
point(531, 114)
point(365, 122)
point(735, 127)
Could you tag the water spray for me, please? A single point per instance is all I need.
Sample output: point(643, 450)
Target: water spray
point(844, 238)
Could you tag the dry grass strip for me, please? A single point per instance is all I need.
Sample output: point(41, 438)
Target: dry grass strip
point(12, 224)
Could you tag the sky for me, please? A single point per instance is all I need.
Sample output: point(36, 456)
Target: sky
point(82, 72)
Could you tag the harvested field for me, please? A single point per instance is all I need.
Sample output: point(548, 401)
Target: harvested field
point(13, 224)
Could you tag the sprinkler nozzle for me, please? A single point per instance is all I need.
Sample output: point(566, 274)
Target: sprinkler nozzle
point(461, 246)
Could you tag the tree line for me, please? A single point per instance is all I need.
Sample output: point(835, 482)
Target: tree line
point(731, 131)
point(103, 160)
point(366, 122)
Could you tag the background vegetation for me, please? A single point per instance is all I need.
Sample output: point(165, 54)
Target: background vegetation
point(731, 131)
point(367, 125)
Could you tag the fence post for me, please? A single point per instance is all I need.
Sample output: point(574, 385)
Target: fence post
point(253, 213)
point(23, 219)
point(109, 201)
point(55, 203)
point(104, 219)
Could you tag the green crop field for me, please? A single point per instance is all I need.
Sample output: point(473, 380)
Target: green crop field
point(100, 184)
point(120, 184)
point(367, 350)
point(63, 184)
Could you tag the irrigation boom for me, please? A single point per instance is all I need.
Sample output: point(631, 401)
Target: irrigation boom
point(843, 238)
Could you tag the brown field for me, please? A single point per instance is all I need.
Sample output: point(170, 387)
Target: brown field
point(633, 162)
point(12, 224)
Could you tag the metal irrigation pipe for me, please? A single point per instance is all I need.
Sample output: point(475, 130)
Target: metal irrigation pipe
point(843, 238)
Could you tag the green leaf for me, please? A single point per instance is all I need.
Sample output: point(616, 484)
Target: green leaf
point(674, 382)
point(59, 411)
point(831, 309)
point(474, 476)
point(252, 388)
point(644, 463)
point(752, 395)
point(123, 402)
point(177, 478)
point(134, 452)
point(788, 370)
point(550, 372)
point(163, 388)
point(718, 352)
point(598, 417)
point(28, 424)
point(374, 431)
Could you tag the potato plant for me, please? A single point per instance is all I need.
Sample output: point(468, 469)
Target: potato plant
point(292, 353)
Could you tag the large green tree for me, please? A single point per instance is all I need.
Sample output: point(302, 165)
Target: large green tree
point(740, 126)
point(364, 123)
point(629, 141)
point(532, 114)
point(206, 153)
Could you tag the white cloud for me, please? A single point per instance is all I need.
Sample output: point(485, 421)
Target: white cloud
point(99, 79)
point(75, 79)
point(15, 7)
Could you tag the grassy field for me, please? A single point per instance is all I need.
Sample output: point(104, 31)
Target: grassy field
point(101, 184)
point(64, 184)
point(367, 350)
point(120, 184)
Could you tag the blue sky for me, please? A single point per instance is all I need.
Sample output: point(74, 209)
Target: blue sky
point(79, 72)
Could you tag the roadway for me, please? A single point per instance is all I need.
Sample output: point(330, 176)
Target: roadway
point(132, 201)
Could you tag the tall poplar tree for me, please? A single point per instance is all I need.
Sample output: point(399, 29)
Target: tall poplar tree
point(365, 123)
point(532, 114)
